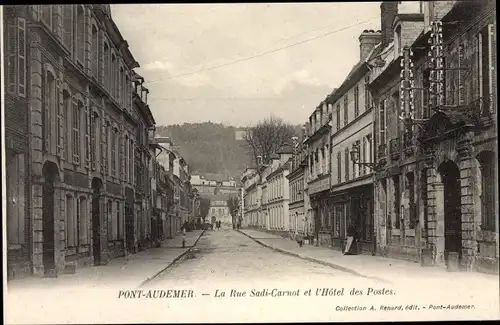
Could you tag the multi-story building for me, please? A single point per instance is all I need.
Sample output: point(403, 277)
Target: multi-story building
point(351, 202)
point(298, 214)
point(278, 191)
point(318, 169)
point(214, 184)
point(249, 211)
point(395, 178)
point(219, 210)
point(144, 158)
point(449, 112)
point(71, 66)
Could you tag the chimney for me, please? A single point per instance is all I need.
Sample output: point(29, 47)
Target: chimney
point(388, 11)
point(367, 41)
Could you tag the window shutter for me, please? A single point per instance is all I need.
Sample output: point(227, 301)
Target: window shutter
point(21, 37)
point(492, 43)
point(60, 121)
point(75, 132)
point(11, 55)
point(87, 136)
point(461, 75)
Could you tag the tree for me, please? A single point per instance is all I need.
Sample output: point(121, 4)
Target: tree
point(267, 138)
point(204, 208)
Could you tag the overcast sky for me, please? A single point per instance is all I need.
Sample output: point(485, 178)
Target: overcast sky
point(174, 42)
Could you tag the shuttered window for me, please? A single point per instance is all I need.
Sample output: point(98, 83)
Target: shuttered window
point(95, 52)
point(87, 128)
point(60, 121)
point(80, 35)
point(67, 128)
point(15, 54)
point(382, 120)
point(346, 110)
point(346, 162)
point(77, 111)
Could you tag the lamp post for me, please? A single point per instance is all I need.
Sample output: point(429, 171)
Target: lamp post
point(355, 153)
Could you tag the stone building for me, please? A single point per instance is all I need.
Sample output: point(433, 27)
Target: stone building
point(317, 174)
point(144, 157)
point(278, 192)
point(73, 69)
point(395, 179)
point(17, 158)
point(219, 210)
point(434, 202)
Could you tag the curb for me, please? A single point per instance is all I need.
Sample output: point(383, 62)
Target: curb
point(314, 260)
point(173, 262)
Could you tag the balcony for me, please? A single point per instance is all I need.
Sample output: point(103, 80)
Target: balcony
point(394, 146)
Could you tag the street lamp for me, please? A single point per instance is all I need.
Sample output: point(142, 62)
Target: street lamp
point(355, 153)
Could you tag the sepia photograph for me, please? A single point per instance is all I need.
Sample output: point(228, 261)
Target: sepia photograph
point(249, 162)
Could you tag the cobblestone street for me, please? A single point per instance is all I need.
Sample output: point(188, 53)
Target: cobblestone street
point(228, 268)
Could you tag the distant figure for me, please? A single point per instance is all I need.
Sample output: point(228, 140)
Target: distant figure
point(211, 226)
point(218, 224)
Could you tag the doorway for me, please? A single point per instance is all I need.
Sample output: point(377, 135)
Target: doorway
point(96, 220)
point(50, 172)
point(450, 176)
point(129, 226)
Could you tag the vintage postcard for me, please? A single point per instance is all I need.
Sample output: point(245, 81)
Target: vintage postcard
point(250, 162)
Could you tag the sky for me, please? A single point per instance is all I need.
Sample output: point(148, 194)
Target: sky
point(240, 63)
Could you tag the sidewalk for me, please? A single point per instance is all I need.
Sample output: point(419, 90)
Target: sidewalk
point(388, 270)
point(128, 271)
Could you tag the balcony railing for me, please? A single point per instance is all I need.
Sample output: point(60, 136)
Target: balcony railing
point(382, 151)
point(394, 147)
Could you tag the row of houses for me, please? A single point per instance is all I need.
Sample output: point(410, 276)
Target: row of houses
point(83, 179)
point(403, 154)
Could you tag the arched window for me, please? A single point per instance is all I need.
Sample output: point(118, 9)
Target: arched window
point(95, 51)
point(70, 223)
point(80, 35)
point(487, 166)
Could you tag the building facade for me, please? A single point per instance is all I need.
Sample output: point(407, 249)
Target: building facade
point(318, 169)
point(72, 66)
point(436, 107)
point(298, 214)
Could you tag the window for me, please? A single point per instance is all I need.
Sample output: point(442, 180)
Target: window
point(59, 124)
point(120, 88)
point(338, 116)
point(15, 186)
point(126, 90)
point(87, 136)
point(95, 135)
point(113, 154)
point(423, 194)
point(67, 127)
point(346, 161)
point(77, 111)
point(71, 227)
point(356, 101)
point(49, 105)
point(382, 119)
point(488, 188)
point(127, 159)
point(112, 75)
point(80, 35)
point(131, 161)
point(67, 12)
point(487, 46)
point(368, 97)
point(346, 105)
point(106, 67)
point(95, 51)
